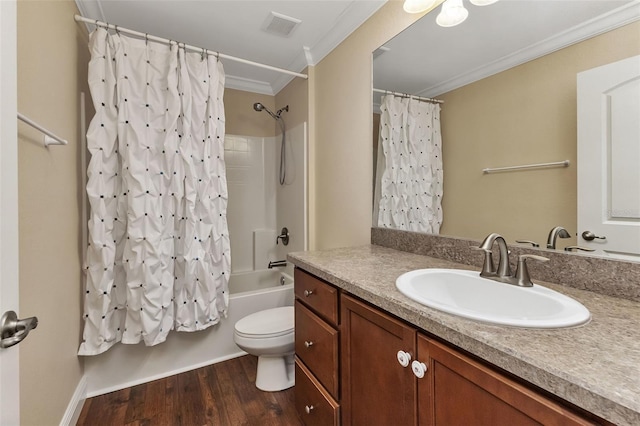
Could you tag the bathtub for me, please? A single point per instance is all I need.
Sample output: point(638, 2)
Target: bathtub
point(269, 280)
point(123, 366)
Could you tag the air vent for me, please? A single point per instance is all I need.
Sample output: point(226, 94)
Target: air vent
point(280, 24)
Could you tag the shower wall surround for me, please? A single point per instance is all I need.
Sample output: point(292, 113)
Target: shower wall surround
point(251, 180)
point(610, 277)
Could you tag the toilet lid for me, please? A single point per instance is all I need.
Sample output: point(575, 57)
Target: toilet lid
point(270, 322)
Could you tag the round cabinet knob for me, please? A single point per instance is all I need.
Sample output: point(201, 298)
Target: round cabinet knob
point(308, 293)
point(308, 408)
point(419, 369)
point(404, 358)
point(308, 343)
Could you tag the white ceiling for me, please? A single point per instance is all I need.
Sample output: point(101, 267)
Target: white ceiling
point(235, 28)
point(428, 60)
point(424, 60)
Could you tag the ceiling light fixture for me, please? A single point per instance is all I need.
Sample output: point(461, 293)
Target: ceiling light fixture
point(452, 13)
point(482, 2)
point(417, 6)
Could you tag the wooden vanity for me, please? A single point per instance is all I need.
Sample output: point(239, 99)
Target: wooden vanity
point(368, 385)
point(352, 323)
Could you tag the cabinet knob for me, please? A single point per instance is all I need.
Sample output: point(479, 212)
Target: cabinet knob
point(308, 343)
point(308, 293)
point(419, 369)
point(308, 408)
point(404, 358)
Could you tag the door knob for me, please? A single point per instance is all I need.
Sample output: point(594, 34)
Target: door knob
point(14, 330)
point(590, 236)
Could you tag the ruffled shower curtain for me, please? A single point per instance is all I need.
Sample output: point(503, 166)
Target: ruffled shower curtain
point(158, 256)
point(408, 190)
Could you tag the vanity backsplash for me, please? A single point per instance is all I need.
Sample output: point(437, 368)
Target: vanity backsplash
point(610, 277)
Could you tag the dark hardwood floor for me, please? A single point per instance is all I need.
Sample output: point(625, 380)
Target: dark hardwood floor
point(220, 394)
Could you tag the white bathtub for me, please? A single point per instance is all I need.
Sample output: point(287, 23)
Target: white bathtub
point(123, 366)
point(269, 280)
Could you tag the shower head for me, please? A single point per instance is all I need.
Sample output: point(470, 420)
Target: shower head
point(259, 107)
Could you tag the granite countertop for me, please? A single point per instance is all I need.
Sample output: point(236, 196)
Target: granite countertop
point(595, 366)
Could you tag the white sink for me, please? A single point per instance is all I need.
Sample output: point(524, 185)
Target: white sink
point(466, 294)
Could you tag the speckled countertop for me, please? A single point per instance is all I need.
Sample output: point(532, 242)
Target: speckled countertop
point(595, 366)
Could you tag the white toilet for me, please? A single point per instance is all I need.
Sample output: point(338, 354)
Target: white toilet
point(269, 335)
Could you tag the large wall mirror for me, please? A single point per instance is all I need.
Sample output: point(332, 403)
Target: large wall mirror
point(507, 77)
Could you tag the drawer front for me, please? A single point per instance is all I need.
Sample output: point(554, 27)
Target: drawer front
point(318, 295)
point(317, 346)
point(313, 405)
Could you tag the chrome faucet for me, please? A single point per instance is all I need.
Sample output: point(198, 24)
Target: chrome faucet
point(556, 232)
point(503, 273)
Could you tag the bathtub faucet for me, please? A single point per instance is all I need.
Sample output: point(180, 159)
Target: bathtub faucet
point(277, 264)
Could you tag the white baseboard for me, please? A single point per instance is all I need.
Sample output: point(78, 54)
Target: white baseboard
point(74, 408)
point(148, 379)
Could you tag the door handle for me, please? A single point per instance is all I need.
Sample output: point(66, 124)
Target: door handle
point(590, 236)
point(14, 330)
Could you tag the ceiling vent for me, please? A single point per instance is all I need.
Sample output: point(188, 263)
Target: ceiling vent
point(280, 24)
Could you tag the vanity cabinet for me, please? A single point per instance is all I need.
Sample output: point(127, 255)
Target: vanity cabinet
point(457, 390)
point(392, 373)
point(317, 350)
point(358, 365)
point(376, 390)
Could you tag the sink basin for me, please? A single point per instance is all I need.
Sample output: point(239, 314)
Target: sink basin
point(466, 294)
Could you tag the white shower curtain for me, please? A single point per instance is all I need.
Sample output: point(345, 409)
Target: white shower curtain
point(408, 190)
point(158, 256)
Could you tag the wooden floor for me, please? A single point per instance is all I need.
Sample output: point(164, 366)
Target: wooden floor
point(220, 394)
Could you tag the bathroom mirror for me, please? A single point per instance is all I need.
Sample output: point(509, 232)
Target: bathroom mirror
point(507, 76)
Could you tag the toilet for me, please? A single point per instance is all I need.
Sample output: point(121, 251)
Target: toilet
point(269, 335)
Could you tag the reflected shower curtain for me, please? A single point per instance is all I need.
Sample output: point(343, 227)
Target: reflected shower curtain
point(158, 256)
point(408, 190)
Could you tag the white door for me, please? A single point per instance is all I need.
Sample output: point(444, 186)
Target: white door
point(609, 158)
point(9, 381)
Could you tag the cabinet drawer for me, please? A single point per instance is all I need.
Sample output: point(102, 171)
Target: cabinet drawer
point(313, 405)
point(317, 347)
point(318, 295)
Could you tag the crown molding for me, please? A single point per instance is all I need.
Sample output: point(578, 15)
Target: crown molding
point(616, 18)
point(248, 85)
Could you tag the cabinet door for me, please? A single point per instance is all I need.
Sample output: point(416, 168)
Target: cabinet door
point(458, 390)
point(376, 389)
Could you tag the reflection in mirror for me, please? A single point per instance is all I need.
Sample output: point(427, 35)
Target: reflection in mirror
point(507, 77)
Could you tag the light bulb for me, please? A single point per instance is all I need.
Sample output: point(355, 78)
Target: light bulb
point(482, 2)
point(452, 13)
point(417, 6)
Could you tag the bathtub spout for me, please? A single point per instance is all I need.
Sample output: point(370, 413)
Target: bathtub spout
point(277, 264)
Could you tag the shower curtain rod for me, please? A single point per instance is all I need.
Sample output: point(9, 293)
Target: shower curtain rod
point(146, 36)
point(407, 95)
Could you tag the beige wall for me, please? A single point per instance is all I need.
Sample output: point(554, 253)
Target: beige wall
point(521, 116)
point(296, 95)
point(341, 149)
point(52, 61)
point(242, 119)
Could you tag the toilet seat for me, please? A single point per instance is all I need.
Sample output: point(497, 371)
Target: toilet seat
point(267, 324)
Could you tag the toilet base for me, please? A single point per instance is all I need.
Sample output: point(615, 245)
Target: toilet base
point(275, 373)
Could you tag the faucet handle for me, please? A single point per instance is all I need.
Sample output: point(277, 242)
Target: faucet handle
point(522, 272)
point(533, 243)
point(488, 267)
